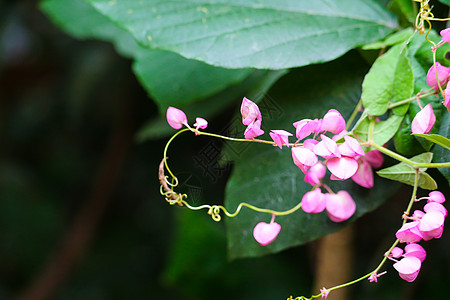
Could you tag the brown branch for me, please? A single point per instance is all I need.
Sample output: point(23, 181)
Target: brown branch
point(81, 231)
point(162, 180)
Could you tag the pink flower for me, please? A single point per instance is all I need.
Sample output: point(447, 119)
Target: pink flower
point(436, 207)
point(447, 96)
point(253, 130)
point(364, 174)
point(280, 137)
point(436, 196)
point(315, 174)
point(305, 127)
point(374, 276)
point(350, 147)
point(431, 225)
point(415, 250)
point(324, 292)
point(442, 73)
point(375, 158)
point(340, 206)
point(396, 252)
point(176, 118)
point(342, 168)
point(445, 33)
point(265, 233)
point(313, 201)
point(424, 120)
point(409, 233)
point(200, 123)
point(309, 144)
point(250, 112)
point(327, 148)
point(303, 158)
point(408, 268)
point(333, 122)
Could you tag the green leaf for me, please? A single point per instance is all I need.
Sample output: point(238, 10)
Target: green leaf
point(390, 80)
point(405, 173)
point(390, 40)
point(265, 176)
point(405, 143)
point(169, 78)
point(253, 33)
point(442, 154)
point(383, 131)
point(447, 2)
point(436, 138)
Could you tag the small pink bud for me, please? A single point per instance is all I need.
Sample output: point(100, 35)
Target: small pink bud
point(350, 147)
point(375, 158)
point(265, 233)
point(396, 252)
point(343, 168)
point(315, 174)
point(176, 117)
point(324, 292)
point(374, 276)
point(436, 196)
point(408, 268)
point(445, 33)
point(303, 158)
point(200, 123)
point(415, 250)
point(280, 137)
point(418, 214)
point(364, 174)
point(253, 130)
point(409, 233)
point(424, 120)
point(304, 127)
point(340, 206)
point(333, 122)
point(250, 112)
point(313, 201)
point(327, 148)
point(442, 73)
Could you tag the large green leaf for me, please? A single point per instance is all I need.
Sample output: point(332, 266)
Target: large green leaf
point(405, 173)
point(266, 176)
point(390, 80)
point(436, 138)
point(169, 78)
point(251, 33)
point(442, 154)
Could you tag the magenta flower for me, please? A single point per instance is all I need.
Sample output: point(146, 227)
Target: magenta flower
point(327, 148)
point(342, 168)
point(434, 206)
point(280, 137)
point(415, 250)
point(200, 123)
point(313, 201)
point(409, 233)
point(408, 268)
point(436, 196)
point(303, 158)
point(445, 33)
point(324, 292)
point(176, 118)
point(305, 127)
point(350, 147)
point(253, 130)
point(396, 252)
point(333, 122)
point(265, 233)
point(442, 73)
point(375, 158)
point(424, 120)
point(309, 144)
point(250, 112)
point(374, 276)
point(340, 206)
point(431, 225)
point(315, 174)
point(364, 174)
point(447, 96)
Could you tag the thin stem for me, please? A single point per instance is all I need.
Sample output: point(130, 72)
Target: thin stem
point(399, 103)
point(353, 115)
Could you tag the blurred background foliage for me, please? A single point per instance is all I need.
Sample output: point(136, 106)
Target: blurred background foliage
point(81, 216)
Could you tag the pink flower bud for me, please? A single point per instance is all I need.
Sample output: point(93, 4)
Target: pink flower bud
point(175, 117)
point(408, 268)
point(304, 127)
point(327, 148)
point(250, 112)
point(313, 201)
point(445, 33)
point(396, 252)
point(409, 233)
point(343, 168)
point(424, 120)
point(415, 250)
point(265, 233)
point(340, 206)
point(418, 214)
point(431, 225)
point(374, 158)
point(253, 130)
point(315, 174)
point(350, 147)
point(333, 122)
point(442, 73)
point(200, 123)
point(436, 196)
point(436, 207)
point(364, 174)
point(280, 137)
point(303, 158)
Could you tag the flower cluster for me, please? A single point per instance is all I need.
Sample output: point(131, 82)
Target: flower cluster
point(177, 118)
point(425, 225)
point(342, 155)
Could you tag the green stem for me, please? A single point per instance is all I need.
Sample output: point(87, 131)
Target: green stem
point(353, 115)
point(393, 105)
